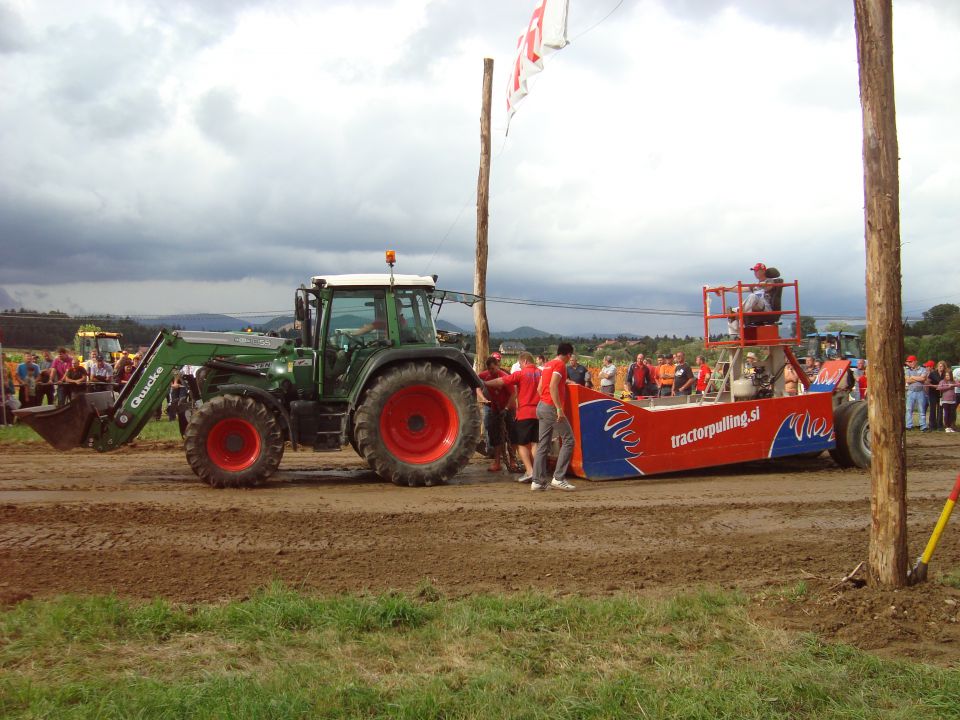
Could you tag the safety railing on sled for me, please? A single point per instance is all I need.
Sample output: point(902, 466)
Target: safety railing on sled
point(749, 328)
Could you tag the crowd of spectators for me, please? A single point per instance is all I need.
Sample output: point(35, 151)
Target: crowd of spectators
point(671, 376)
point(45, 378)
point(931, 395)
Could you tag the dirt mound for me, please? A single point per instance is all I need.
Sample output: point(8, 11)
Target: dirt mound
point(921, 622)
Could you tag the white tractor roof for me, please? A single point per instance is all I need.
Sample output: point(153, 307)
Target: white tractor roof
point(374, 280)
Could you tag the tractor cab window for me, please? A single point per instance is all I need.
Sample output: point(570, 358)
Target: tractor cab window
point(358, 317)
point(357, 325)
point(107, 346)
point(314, 317)
point(850, 347)
point(413, 316)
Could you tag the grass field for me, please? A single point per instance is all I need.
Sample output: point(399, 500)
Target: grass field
point(282, 654)
point(155, 430)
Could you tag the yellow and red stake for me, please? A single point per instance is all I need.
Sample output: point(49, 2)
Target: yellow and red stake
point(919, 572)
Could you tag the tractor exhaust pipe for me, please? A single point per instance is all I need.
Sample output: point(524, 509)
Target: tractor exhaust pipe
point(66, 427)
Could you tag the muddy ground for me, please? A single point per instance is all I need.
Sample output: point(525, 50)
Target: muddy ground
point(139, 523)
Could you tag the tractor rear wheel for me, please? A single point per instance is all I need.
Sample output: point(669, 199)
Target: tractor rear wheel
point(852, 428)
point(417, 424)
point(233, 441)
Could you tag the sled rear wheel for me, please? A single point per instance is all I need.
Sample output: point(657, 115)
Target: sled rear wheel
point(852, 428)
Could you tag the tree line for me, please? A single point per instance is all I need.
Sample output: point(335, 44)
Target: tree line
point(936, 336)
point(32, 330)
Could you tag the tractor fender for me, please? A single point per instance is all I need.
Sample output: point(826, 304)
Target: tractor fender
point(451, 357)
point(267, 399)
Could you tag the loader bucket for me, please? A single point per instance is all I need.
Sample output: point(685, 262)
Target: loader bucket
point(65, 427)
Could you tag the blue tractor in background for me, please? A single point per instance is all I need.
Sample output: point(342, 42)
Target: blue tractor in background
point(834, 345)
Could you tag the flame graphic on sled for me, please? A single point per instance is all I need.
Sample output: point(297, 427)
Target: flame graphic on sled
point(800, 432)
point(611, 439)
point(829, 376)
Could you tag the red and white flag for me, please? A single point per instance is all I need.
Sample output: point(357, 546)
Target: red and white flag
point(546, 32)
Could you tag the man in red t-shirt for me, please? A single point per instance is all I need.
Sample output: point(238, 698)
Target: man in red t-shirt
point(704, 372)
point(61, 364)
point(551, 417)
point(494, 413)
point(637, 375)
point(525, 430)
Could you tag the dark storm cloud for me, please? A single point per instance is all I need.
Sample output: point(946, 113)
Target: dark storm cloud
point(48, 242)
point(267, 232)
point(44, 241)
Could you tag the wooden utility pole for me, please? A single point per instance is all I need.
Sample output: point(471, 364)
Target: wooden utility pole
point(483, 206)
point(888, 504)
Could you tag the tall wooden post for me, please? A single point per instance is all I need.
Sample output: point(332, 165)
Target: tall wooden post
point(888, 505)
point(483, 206)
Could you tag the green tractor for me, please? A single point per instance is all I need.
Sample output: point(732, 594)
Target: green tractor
point(367, 370)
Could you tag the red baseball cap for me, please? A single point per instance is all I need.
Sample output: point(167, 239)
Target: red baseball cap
point(497, 355)
point(758, 266)
point(929, 363)
point(911, 358)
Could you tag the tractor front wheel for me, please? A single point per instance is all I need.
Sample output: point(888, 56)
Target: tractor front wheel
point(417, 424)
point(233, 441)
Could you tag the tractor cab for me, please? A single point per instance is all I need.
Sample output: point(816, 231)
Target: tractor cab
point(834, 345)
point(347, 319)
point(107, 344)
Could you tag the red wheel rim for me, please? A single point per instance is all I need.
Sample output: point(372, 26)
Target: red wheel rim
point(419, 424)
point(233, 444)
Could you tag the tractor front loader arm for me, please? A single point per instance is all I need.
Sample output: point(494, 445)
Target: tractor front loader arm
point(106, 420)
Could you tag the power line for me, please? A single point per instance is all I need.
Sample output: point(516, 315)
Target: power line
point(493, 299)
point(236, 314)
point(463, 207)
point(592, 307)
point(598, 22)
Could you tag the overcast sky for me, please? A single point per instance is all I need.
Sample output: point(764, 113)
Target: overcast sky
point(164, 156)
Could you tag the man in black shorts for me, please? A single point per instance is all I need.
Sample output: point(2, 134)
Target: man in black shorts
point(526, 429)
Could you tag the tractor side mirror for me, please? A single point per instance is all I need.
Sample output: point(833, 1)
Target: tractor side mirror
point(298, 308)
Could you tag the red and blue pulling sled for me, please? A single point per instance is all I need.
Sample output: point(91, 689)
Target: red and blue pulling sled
point(744, 415)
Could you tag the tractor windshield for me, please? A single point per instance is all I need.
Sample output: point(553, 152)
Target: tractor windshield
point(108, 345)
point(850, 346)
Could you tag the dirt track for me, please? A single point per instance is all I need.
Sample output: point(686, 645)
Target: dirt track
point(140, 524)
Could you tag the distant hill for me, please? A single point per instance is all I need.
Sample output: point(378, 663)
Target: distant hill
point(225, 323)
point(205, 321)
point(449, 326)
point(278, 324)
point(519, 333)
point(525, 331)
